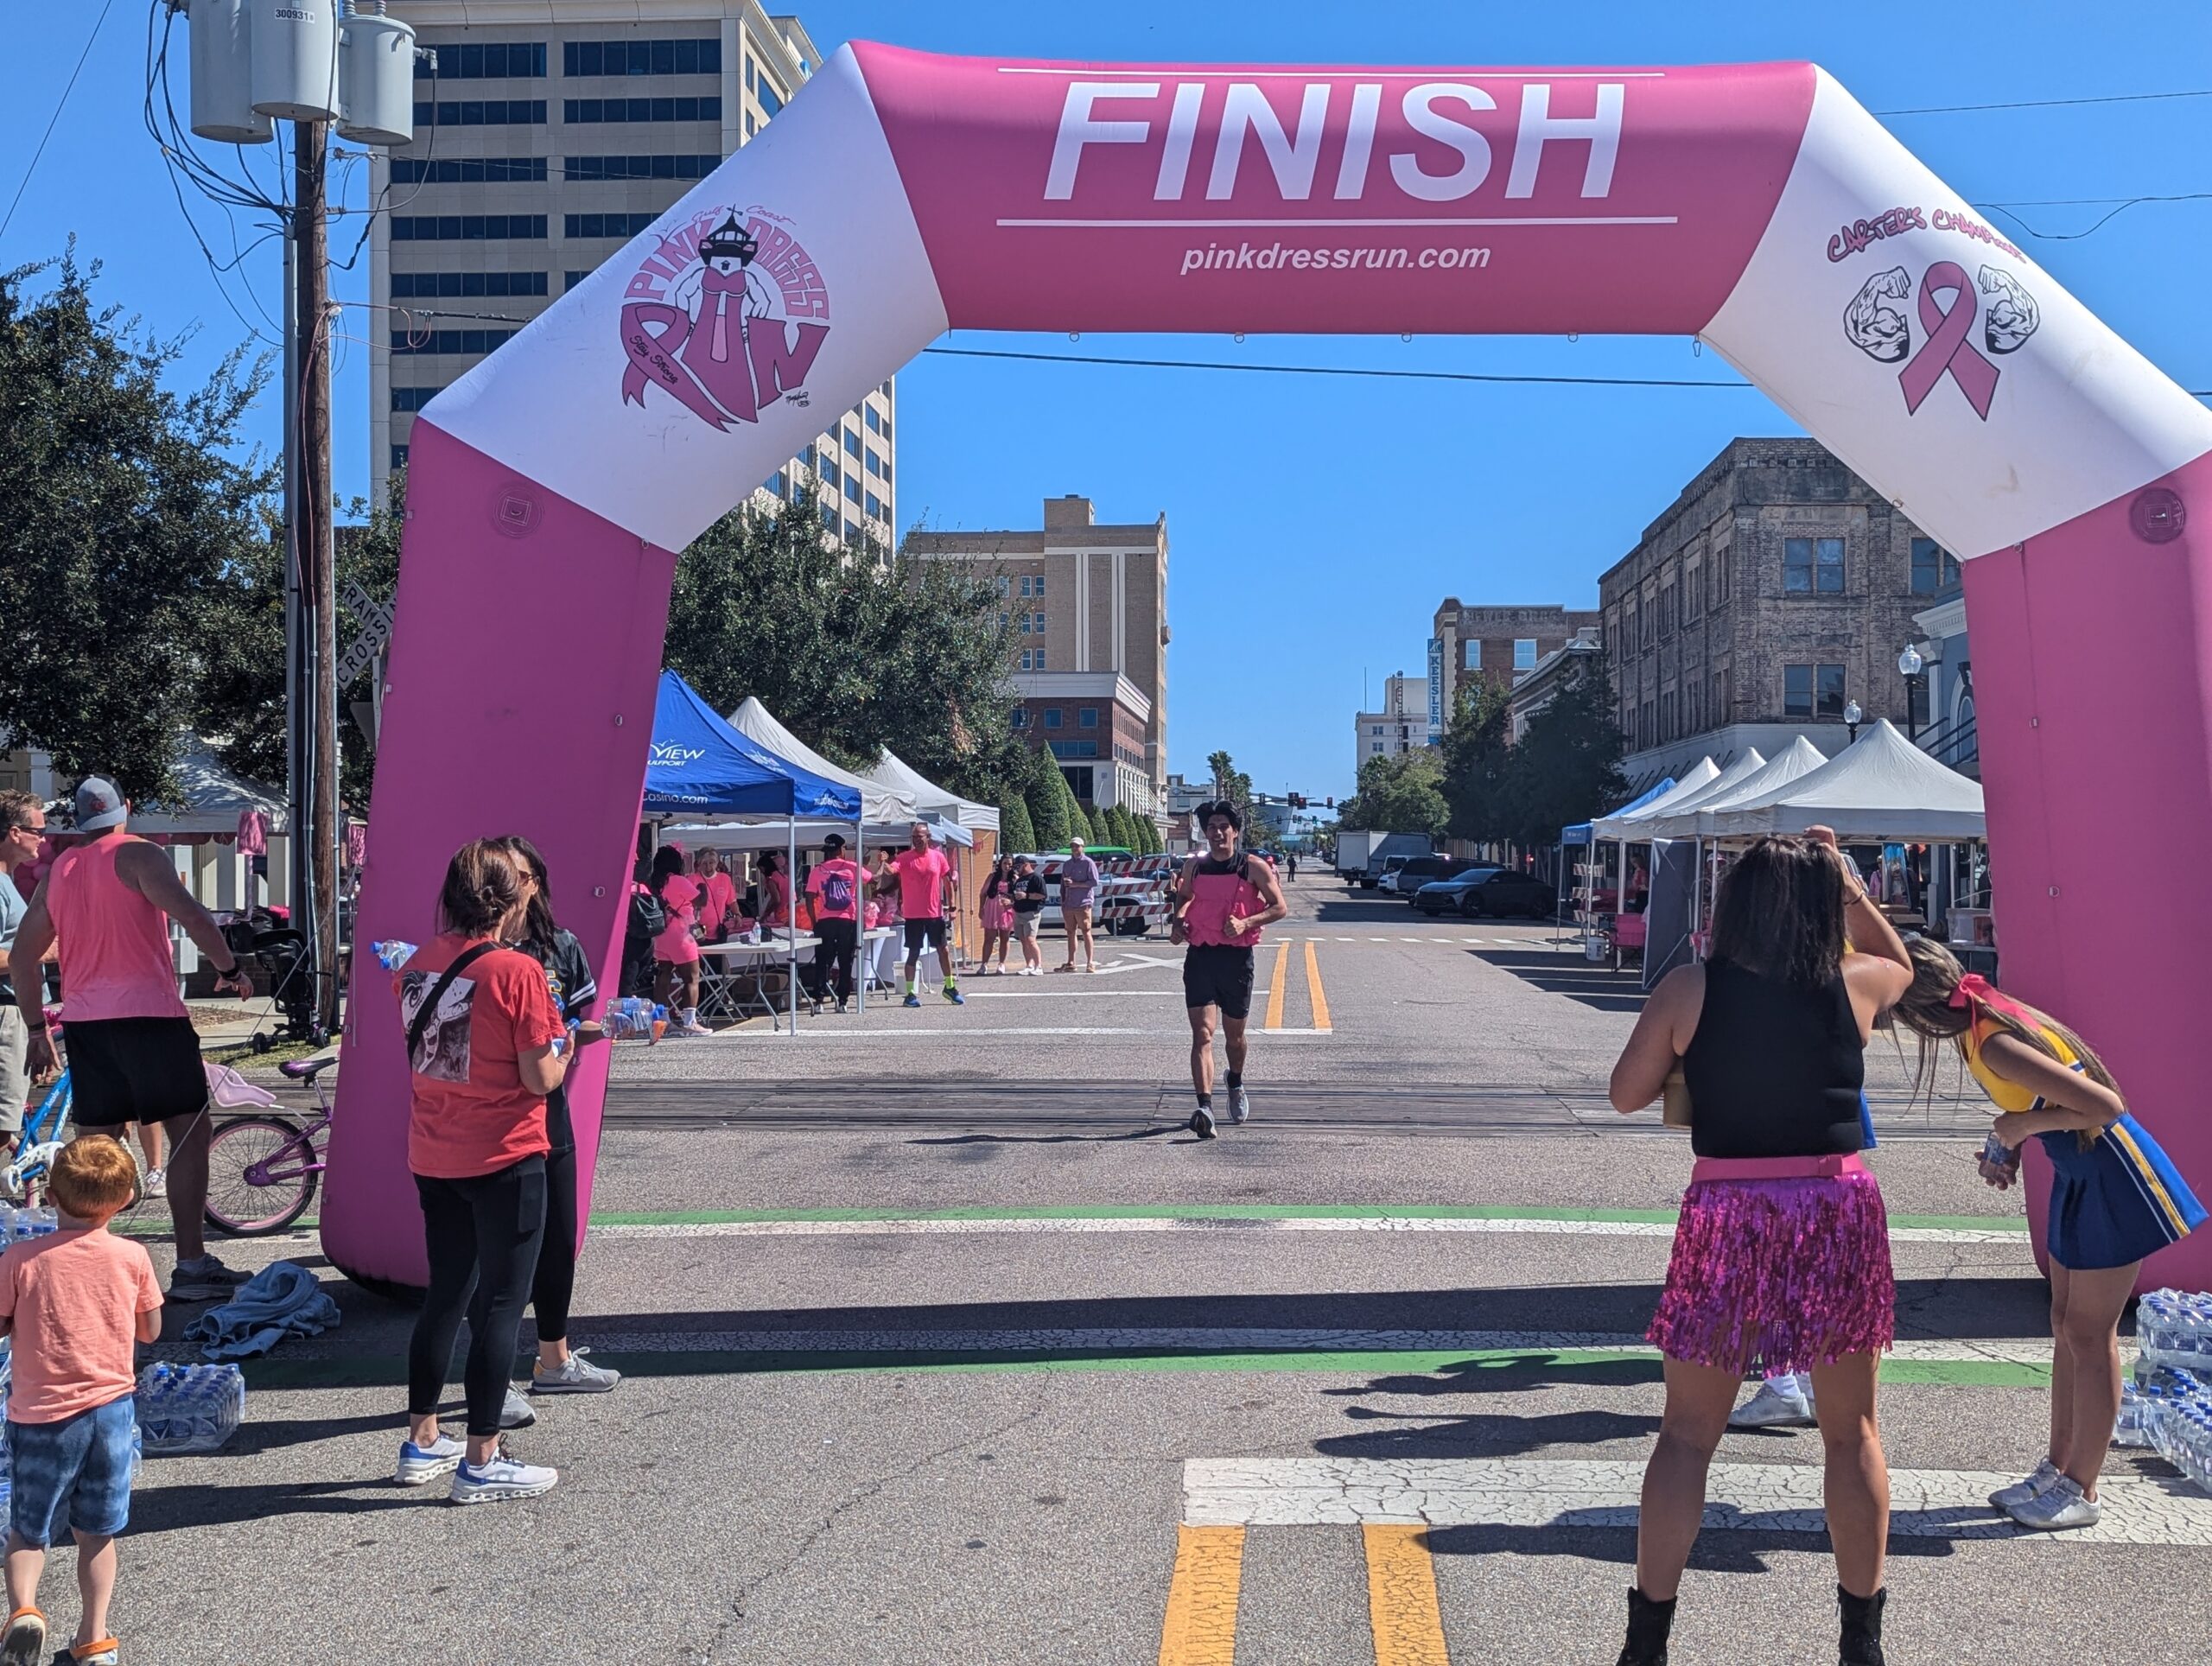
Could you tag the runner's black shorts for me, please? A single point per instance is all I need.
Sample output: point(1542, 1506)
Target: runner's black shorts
point(925, 934)
point(133, 1069)
point(1219, 975)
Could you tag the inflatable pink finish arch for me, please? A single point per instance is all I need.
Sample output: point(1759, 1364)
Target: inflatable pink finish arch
point(1758, 207)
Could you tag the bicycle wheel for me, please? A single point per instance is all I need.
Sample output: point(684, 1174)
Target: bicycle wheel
point(238, 1207)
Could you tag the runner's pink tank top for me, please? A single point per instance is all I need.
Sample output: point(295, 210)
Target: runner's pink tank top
point(114, 944)
point(1214, 897)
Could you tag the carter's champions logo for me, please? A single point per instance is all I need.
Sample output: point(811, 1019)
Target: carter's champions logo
point(1948, 307)
point(727, 315)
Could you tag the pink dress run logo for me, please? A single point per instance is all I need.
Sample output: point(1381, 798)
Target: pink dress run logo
point(727, 315)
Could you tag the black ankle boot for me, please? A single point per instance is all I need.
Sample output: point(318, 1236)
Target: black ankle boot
point(1862, 1628)
point(1649, 1622)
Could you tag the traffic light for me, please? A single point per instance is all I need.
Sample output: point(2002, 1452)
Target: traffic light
point(1331, 803)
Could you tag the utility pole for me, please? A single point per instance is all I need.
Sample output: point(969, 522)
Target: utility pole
point(314, 718)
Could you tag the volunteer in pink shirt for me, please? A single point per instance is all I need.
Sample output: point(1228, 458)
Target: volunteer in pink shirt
point(675, 950)
point(834, 887)
point(921, 872)
point(134, 1057)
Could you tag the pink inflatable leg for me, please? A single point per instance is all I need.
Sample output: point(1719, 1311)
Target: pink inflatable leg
point(524, 664)
point(2093, 682)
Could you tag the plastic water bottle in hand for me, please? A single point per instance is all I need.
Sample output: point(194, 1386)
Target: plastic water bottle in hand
point(392, 954)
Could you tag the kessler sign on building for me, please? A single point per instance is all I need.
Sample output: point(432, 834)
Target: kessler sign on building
point(1754, 206)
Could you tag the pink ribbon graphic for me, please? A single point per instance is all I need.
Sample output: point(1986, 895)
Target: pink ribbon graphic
point(1948, 347)
point(653, 333)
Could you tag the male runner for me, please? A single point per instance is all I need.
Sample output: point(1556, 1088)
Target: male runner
point(134, 1056)
point(921, 870)
point(1220, 902)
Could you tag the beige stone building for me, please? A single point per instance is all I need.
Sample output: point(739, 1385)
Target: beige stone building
point(1494, 645)
point(1400, 726)
point(1089, 605)
point(547, 134)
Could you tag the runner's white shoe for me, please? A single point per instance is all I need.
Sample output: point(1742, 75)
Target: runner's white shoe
point(2009, 1498)
point(499, 1479)
point(1240, 1107)
point(1770, 1408)
point(2058, 1507)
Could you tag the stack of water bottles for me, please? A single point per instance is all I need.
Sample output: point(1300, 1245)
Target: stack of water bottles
point(6, 1456)
point(189, 1407)
point(2168, 1406)
point(634, 1016)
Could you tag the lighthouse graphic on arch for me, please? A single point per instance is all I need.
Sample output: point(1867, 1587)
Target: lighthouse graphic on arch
point(726, 313)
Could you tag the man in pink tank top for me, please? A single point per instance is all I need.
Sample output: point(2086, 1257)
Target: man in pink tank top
point(1221, 901)
point(134, 1057)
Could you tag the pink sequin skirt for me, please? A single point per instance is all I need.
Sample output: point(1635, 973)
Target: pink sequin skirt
point(1786, 1273)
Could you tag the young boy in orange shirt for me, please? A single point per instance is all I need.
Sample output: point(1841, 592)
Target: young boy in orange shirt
point(74, 1301)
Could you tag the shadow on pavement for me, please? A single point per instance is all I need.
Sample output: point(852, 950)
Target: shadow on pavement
point(1599, 988)
point(167, 1509)
point(1044, 1139)
point(1743, 1550)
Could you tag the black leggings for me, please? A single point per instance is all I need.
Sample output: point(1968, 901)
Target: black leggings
point(833, 960)
point(554, 1284)
point(482, 1234)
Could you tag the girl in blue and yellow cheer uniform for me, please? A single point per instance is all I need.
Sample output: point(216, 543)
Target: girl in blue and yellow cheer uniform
point(2114, 1198)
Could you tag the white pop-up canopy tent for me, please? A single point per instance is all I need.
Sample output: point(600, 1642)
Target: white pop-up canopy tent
point(1802, 758)
point(932, 800)
point(1630, 823)
point(1881, 789)
point(1679, 820)
point(209, 799)
point(878, 803)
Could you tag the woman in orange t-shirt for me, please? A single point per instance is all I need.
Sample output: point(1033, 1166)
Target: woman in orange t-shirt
point(485, 1047)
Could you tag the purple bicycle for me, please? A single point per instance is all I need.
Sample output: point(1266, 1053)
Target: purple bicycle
point(263, 1168)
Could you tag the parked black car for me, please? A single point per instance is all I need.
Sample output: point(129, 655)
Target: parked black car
point(1414, 872)
point(1487, 893)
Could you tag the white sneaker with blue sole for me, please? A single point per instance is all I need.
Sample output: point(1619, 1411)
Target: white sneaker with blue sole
point(500, 1479)
point(419, 1465)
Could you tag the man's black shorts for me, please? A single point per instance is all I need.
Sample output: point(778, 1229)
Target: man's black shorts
point(925, 933)
point(1219, 975)
point(133, 1069)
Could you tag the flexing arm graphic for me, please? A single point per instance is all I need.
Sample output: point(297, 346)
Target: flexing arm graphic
point(2012, 315)
point(1877, 331)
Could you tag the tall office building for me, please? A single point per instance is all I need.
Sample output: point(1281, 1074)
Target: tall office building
point(547, 134)
point(1402, 726)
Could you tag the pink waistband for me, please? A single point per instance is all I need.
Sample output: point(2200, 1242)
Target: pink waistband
point(1776, 1168)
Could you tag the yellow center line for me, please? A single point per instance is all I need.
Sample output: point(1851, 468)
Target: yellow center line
point(1313, 988)
point(1401, 1597)
point(1275, 987)
point(1200, 1629)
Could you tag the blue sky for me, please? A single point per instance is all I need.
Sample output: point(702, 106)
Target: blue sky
point(1315, 523)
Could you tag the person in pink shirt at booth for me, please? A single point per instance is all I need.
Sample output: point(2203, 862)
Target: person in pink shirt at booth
point(834, 888)
point(921, 872)
point(675, 950)
point(718, 910)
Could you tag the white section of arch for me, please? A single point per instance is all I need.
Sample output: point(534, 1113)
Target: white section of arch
point(2078, 418)
point(666, 474)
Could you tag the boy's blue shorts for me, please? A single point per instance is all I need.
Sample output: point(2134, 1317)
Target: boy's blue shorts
point(72, 1474)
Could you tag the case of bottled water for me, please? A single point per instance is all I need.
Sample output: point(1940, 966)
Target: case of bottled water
point(189, 1407)
point(2174, 1328)
point(2168, 1407)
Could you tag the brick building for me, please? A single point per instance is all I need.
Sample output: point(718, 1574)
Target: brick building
point(1493, 643)
point(1777, 589)
point(1089, 606)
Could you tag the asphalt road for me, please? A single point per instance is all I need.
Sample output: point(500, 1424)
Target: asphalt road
point(947, 1344)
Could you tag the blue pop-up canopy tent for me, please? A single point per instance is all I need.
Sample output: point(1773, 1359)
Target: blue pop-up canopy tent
point(700, 769)
point(1580, 833)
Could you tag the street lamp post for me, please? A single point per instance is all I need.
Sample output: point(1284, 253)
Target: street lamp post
point(1853, 716)
point(1912, 666)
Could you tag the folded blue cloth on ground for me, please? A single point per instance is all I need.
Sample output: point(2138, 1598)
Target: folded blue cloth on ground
point(281, 1300)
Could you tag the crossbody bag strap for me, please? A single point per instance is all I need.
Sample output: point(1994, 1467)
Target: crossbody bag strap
point(465, 958)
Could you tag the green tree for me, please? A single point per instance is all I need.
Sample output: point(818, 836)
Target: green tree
point(131, 508)
point(1079, 818)
point(1403, 794)
point(1016, 834)
point(1478, 763)
point(1566, 768)
point(1100, 832)
point(1230, 783)
point(855, 651)
point(1046, 791)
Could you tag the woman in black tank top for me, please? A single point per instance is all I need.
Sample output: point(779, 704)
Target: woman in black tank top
point(1782, 1251)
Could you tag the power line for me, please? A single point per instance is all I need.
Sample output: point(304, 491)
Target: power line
point(1345, 369)
point(2047, 104)
point(60, 105)
point(2102, 220)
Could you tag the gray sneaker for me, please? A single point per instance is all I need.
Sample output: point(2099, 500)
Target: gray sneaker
point(2009, 1498)
point(203, 1280)
point(575, 1375)
point(516, 1412)
point(2058, 1507)
point(1240, 1107)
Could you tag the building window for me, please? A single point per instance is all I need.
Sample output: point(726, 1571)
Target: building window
point(634, 168)
point(874, 507)
point(465, 228)
point(1813, 692)
point(588, 111)
point(1524, 653)
point(468, 170)
point(1471, 654)
point(1935, 570)
point(1916, 701)
point(1051, 717)
point(481, 112)
point(1020, 717)
point(829, 471)
point(1720, 576)
point(423, 286)
point(399, 456)
point(1692, 594)
point(1811, 566)
point(1651, 723)
point(852, 532)
point(1024, 626)
point(1375, 729)
point(852, 443)
point(475, 341)
point(1722, 706)
point(569, 280)
point(771, 98)
point(591, 225)
point(775, 484)
point(1040, 627)
point(413, 398)
point(699, 57)
point(499, 61)
point(1375, 746)
point(1039, 657)
point(874, 423)
point(853, 487)
point(1666, 730)
point(1040, 584)
point(1025, 584)
point(1087, 717)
